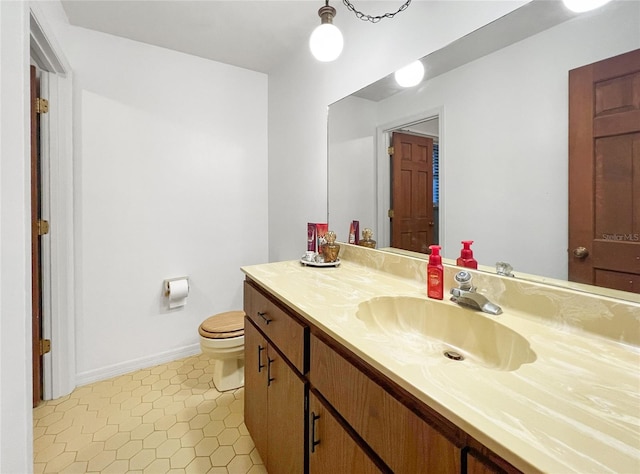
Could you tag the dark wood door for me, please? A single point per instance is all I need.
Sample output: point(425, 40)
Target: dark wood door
point(412, 224)
point(36, 280)
point(604, 173)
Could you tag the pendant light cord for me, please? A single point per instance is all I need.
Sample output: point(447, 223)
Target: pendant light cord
point(377, 18)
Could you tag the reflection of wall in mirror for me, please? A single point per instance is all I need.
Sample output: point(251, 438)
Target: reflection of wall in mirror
point(504, 144)
point(351, 176)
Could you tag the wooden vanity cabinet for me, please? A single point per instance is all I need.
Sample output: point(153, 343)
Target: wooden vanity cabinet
point(404, 441)
point(275, 390)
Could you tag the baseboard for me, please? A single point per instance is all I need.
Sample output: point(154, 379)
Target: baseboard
point(115, 370)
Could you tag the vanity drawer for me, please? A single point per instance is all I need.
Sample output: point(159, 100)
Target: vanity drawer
point(286, 332)
point(403, 440)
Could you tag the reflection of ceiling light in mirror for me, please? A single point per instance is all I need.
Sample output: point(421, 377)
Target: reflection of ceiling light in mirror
point(326, 40)
point(584, 5)
point(410, 75)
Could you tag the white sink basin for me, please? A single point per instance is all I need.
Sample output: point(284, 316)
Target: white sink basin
point(417, 328)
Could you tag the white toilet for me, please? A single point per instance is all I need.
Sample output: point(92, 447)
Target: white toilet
point(222, 337)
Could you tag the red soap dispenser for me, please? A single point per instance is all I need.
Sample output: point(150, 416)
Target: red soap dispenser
point(466, 256)
point(435, 274)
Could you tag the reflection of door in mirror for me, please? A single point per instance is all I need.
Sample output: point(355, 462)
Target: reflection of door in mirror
point(604, 173)
point(412, 219)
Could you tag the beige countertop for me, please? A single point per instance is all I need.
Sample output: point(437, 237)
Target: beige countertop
point(576, 408)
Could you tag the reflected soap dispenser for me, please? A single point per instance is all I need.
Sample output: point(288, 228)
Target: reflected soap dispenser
point(435, 274)
point(466, 256)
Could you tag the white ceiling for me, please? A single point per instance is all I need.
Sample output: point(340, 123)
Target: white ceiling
point(252, 34)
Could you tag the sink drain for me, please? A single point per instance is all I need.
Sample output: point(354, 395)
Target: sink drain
point(453, 355)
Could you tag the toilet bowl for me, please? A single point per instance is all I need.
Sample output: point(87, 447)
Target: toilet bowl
point(222, 338)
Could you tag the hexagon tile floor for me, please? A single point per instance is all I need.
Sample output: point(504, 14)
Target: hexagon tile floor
point(166, 419)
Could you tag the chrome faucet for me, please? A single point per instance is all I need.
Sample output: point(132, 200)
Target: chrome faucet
point(466, 295)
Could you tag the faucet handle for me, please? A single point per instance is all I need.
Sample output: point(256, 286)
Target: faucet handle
point(503, 268)
point(463, 279)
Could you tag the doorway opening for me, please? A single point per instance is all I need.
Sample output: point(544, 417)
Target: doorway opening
point(409, 175)
point(55, 204)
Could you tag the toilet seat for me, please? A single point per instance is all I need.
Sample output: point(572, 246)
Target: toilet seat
point(223, 326)
point(222, 338)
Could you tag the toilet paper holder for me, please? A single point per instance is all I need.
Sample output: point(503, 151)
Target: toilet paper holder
point(166, 288)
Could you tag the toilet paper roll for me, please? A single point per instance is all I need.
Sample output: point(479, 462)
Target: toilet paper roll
point(178, 292)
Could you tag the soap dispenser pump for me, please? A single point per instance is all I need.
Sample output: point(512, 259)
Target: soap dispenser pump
point(466, 256)
point(435, 274)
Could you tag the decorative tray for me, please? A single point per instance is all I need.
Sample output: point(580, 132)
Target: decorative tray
point(320, 264)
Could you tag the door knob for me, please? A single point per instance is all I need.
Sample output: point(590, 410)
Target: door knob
point(580, 252)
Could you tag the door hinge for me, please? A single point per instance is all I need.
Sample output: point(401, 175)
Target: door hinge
point(45, 346)
point(390, 213)
point(43, 227)
point(390, 150)
point(42, 105)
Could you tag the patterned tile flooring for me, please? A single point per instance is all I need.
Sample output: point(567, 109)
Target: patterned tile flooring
point(165, 419)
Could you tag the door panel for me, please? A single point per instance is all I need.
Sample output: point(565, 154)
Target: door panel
point(616, 186)
point(604, 173)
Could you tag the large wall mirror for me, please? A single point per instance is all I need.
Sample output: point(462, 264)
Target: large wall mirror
point(496, 104)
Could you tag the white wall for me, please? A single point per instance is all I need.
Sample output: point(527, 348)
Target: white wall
point(504, 153)
point(301, 90)
point(351, 178)
point(16, 434)
point(170, 166)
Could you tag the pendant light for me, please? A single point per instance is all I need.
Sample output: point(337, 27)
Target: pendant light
point(584, 5)
point(326, 40)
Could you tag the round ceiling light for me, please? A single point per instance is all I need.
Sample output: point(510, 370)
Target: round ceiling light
point(410, 75)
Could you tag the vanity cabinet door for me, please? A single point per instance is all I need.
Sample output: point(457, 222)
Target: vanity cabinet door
point(403, 440)
point(286, 416)
point(255, 387)
point(331, 449)
point(274, 408)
